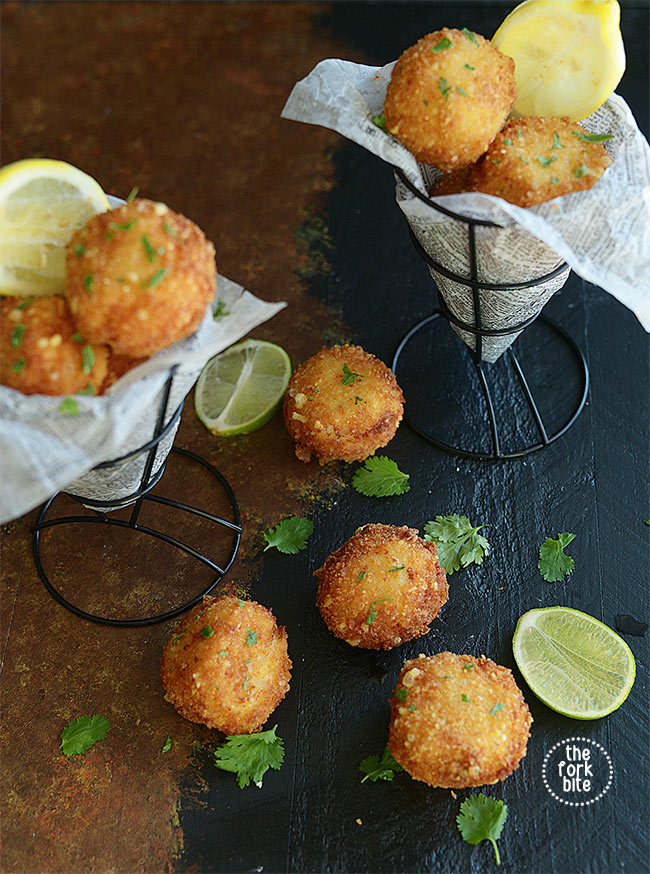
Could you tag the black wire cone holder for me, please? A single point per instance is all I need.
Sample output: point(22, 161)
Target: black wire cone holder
point(442, 313)
point(137, 498)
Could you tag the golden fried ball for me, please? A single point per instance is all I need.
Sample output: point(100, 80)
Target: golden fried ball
point(536, 159)
point(381, 588)
point(139, 278)
point(41, 351)
point(448, 96)
point(458, 721)
point(118, 365)
point(454, 182)
point(227, 665)
point(342, 404)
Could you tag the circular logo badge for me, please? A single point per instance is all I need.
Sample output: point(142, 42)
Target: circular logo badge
point(577, 771)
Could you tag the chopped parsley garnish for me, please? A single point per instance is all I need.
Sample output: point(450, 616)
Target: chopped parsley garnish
point(396, 568)
point(401, 694)
point(556, 142)
point(250, 756)
point(592, 138)
point(469, 67)
point(17, 336)
point(207, 631)
point(481, 818)
point(523, 160)
point(69, 407)
point(553, 564)
point(246, 679)
point(349, 377)
point(497, 707)
point(518, 131)
point(178, 636)
point(554, 180)
point(77, 337)
point(412, 707)
point(468, 667)
point(457, 541)
point(25, 304)
point(358, 400)
point(109, 235)
point(361, 576)
point(507, 141)
point(19, 365)
point(375, 768)
point(545, 162)
point(155, 279)
point(443, 45)
point(87, 358)
point(80, 734)
point(88, 283)
point(495, 161)
point(468, 33)
point(223, 653)
point(89, 390)
point(166, 747)
point(79, 249)
point(311, 396)
point(373, 613)
point(251, 638)
point(133, 193)
point(241, 603)
point(464, 697)
point(290, 535)
point(461, 91)
point(580, 171)
point(148, 248)
point(115, 226)
point(220, 310)
point(380, 121)
point(380, 477)
point(444, 88)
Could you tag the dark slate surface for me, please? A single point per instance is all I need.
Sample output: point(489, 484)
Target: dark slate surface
point(592, 482)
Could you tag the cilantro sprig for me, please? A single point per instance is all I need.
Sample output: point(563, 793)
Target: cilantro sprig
point(553, 564)
point(81, 733)
point(375, 768)
point(250, 756)
point(380, 477)
point(457, 541)
point(481, 818)
point(290, 535)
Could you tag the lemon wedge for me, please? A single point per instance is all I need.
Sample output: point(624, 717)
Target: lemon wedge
point(568, 55)
point(42, 203)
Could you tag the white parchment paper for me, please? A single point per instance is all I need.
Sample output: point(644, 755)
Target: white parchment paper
point(603, 233)
point(43, 450)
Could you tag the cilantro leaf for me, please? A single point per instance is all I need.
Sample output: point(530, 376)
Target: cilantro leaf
point(379, 769)
point(592, 138)
point(380, 477)
point(553, 564)
point(380, 121)
point(290, 535)
point(457, 541)
point(81, 733)
point(481, 818)
point(166, 747)
point(250, 756)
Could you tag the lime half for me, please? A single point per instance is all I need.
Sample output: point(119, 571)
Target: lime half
point(572, 662)
point(240, 389)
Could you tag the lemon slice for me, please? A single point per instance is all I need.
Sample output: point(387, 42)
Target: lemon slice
point(240, 389)
point(42, 203)
point(568, 55)
point(572, 662)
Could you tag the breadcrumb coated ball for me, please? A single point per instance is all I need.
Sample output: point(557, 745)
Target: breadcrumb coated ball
point(536, 159)
point(118, 365)
point(448, 96)
point(41, 351)
point(342, 404)
point(227, 665)
point(384, 586)
point(458, 721)
point(139, 278)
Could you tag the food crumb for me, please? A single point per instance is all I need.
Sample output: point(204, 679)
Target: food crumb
point(359, 821)
point(453, 795)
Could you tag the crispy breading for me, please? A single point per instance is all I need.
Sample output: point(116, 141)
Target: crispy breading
point(454, 182)
point(448, 96)
point(458, 721)
point(226, 665)
point(533, 160)
point(384, 586)
point(41, 351)
point(118, 365)
point(342, 404)
point(139, 278)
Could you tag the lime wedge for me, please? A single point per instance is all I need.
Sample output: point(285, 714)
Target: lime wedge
point(572, 662)
point(240, 389)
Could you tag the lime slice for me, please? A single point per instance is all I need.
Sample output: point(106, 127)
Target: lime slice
point(568, 55)
point(42, 203)
point(572, 662)
point(240, 389)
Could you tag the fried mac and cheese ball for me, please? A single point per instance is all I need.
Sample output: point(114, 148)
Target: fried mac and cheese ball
point(41, 351)
point(139, 278)
point(381, 588)
point(448, 96)
point(342, 404)
point(536, 159)
point(458, 721)
point(227, 665)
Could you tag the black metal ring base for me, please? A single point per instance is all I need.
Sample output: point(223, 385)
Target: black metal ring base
point(510, 357)
point(103, 519)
